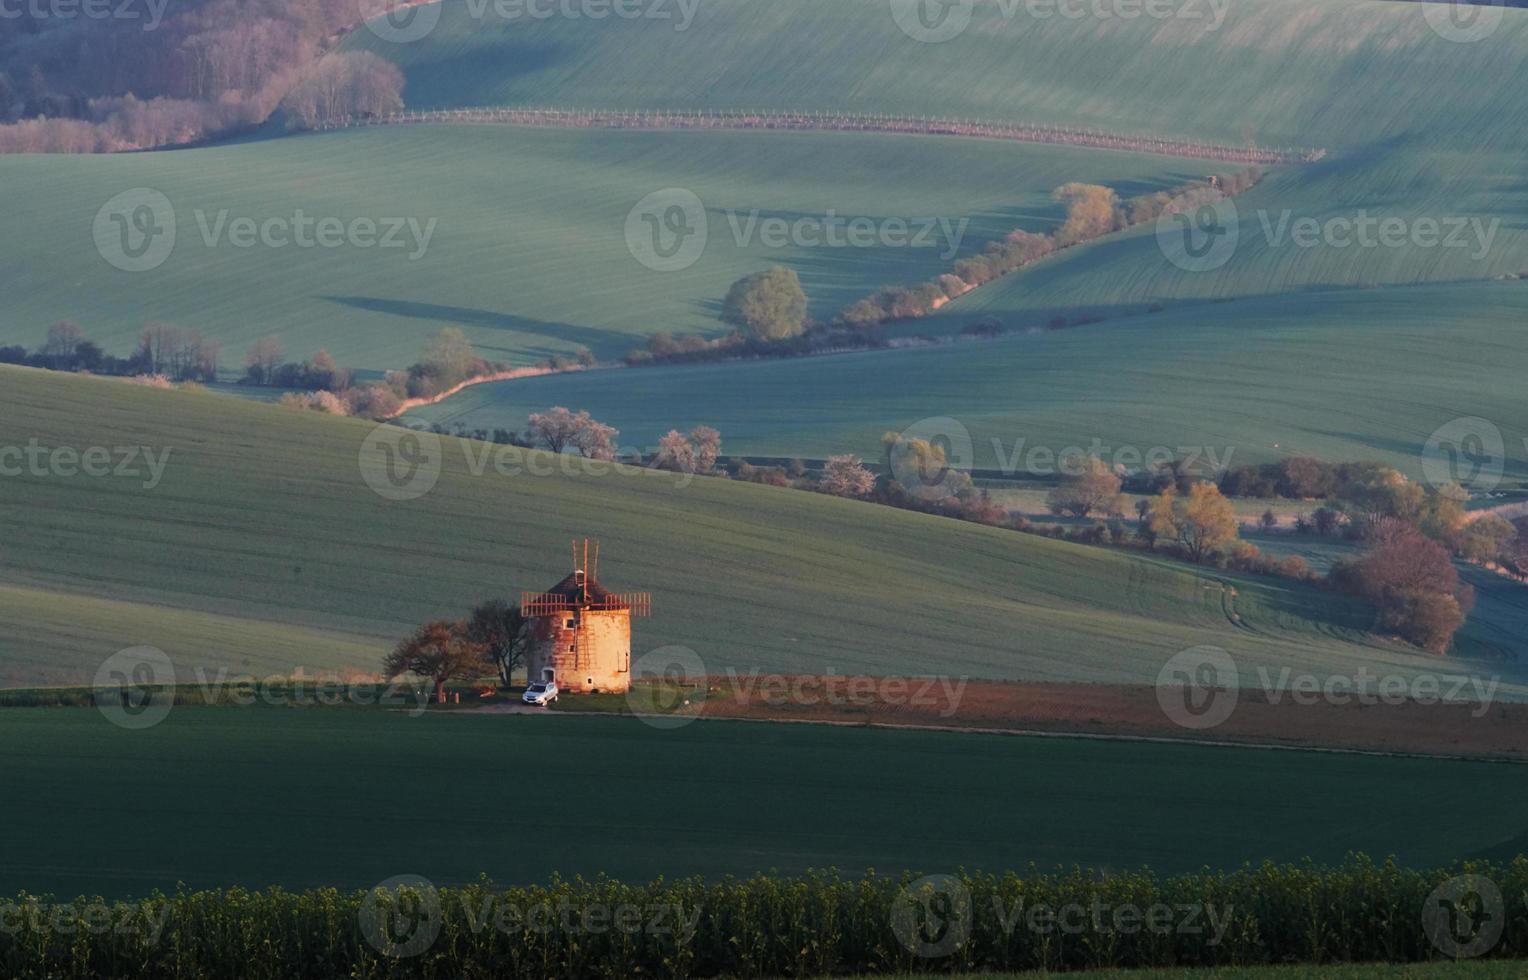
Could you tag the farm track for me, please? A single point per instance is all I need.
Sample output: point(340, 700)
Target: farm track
point(1455, 729)
point(839, 123)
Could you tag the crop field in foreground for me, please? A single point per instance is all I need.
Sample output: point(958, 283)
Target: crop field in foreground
point(262, 548)
point(1342, 375)
point(198, 797)
point(527, 248)
point(1511, 970)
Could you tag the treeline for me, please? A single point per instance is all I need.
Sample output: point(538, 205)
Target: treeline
point(448, 360)
point(175, 353)
point(1092, 212)
point(168, 354)
point(1248, 153)
point(818, 925)
point(768, 310)
point(1296, 478)
point(102, 84)
point(1410, 534)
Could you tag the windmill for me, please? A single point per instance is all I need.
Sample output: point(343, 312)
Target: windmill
point(580, 630)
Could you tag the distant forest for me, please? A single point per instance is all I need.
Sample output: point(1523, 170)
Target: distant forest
point(99, 84)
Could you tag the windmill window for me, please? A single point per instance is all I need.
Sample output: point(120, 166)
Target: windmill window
point(569, 624)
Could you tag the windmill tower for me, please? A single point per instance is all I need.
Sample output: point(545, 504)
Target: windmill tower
point(581, 631)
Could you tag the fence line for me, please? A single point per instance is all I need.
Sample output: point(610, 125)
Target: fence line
point(835, 122)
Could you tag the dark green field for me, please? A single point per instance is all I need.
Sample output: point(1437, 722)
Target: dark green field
point(348, 797)
point(1512, 970)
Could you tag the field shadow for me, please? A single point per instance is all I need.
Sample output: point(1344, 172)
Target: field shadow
point(600, 341)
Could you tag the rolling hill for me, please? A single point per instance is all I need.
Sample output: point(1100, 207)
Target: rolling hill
point(261, 548)
point(1334, 73)
point(527, 245)
point(1343, 375)
point(1384, 87)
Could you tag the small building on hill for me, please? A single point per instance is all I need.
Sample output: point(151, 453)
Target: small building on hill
point(581, 631)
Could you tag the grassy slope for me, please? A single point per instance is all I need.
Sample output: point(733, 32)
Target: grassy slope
point(262, 515)
point(529, 252)
point(1495, 627)
point(1335, 73)
point(1343, 375)
point(197, 799)
point(1411, 133)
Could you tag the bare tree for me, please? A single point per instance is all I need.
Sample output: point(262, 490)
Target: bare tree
point(675, 453)
point(846, 476)
point(64, 339)
point(262, 360)
point(1095, 487)
point(503, 633)
point(555, 429)
point(707, 445)
point(595, 439)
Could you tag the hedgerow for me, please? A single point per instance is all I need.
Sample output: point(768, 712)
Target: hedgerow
point(815, 925)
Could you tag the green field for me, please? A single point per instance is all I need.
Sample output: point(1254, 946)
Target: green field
point(1343, 375)
point(1510, 970)
point(263, 549)
point(1411, 135)
point(1495, 627)
point(528, 251)
point(1335, 73)
point(349, 797)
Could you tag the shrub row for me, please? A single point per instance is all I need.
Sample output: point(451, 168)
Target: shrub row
point(817, 925)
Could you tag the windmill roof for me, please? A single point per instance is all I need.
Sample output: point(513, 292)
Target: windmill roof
point(571, 589)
